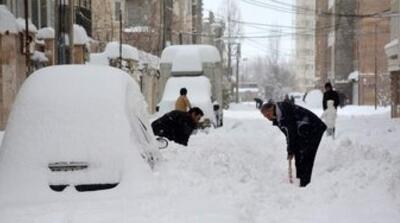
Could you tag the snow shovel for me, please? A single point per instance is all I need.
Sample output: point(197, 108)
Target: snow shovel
point(290, 171)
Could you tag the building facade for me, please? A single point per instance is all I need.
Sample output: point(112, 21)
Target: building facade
point(371, 35)
point(393, 56)
point(350, 40)
point(335, 44)
point(305, 45)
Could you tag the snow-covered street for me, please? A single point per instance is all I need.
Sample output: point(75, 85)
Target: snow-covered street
point(239, 173)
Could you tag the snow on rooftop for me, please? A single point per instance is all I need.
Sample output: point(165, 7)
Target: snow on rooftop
point(80, 35)
point(7, 21)
point(46, 33)
point(21, 25)
point(201, 53)
point(128, 51)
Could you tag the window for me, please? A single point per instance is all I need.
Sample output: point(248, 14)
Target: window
point(39, 10)
point(117, 10)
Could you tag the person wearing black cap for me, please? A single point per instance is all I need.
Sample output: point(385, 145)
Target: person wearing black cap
point(330, 94)
point(303, 131)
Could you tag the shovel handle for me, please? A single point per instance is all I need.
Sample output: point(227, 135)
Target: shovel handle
point(290, 171)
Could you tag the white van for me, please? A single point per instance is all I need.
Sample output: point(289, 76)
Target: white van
point(199, 95)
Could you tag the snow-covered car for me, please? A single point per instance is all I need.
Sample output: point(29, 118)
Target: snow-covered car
point(76, 133)
point(199, 95)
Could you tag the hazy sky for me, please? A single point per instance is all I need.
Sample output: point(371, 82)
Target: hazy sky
point(265, 15)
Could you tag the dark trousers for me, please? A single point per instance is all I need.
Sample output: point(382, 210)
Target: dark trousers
point(304, 159)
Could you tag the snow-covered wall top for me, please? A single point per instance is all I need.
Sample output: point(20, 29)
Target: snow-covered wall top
point(21, 25)
point(149, 59)
point(39, 56)
point(128, 52)
point(80, 36)
point(46, 33)
point(112, 51)
point(7, 21)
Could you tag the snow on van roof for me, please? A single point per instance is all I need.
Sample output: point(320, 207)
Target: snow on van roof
point(128, 51)
point(46, 33)
point(207, 53)
point(7, 21)
point(189, 57)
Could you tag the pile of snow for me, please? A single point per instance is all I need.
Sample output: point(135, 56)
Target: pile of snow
point(353, 110)
point(314, 99)
point(189, 58)
point(80, 35)
point(76, 113)
point(128, 51)
point(46, 33)
point(21, 25)
point(8, 22)
point(99, 59)
point(199, 94)
point(39, 56)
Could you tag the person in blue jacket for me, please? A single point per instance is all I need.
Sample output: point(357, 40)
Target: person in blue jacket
point(303, 131)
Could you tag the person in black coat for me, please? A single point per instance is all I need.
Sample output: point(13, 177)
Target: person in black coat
point(303, 131)
point(177, 125)
point(259, 102)
point(330, 94)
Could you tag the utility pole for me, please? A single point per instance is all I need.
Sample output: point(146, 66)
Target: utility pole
point(229, 40)
point(120, 38)
point(27, 42)
point(376, 67)
point(64, 34)
point(71, 20)
point(238, 53)
point(163, 23)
